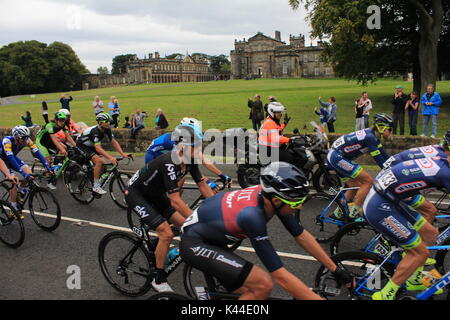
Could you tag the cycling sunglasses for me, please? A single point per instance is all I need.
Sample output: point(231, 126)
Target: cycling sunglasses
point(382, 128)
point(293, 204)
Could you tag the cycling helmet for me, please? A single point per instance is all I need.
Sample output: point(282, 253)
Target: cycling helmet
point(383, 121)
point(285, 181)
point(21, 132)
point(188, 135)
point(65, 111)
point(275, 107)
point(103, 116)
point(191, 121)
point(60, 116)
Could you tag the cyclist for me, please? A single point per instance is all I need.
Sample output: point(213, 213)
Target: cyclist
point(10, 147)
point(154, 192)
point(89, 144)
point(270, 138)
point(233, 216)
point(72, 127)
point(164, 143)
point(347, 148)
point(388, 209)
point(47, 141)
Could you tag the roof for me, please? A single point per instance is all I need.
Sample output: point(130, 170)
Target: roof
point(261, 36)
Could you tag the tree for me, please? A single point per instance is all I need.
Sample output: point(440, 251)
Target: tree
point(406, 42)
point(118, 63)
point(102, 70)
point(217, 63)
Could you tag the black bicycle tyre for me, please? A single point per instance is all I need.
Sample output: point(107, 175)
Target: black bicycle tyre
point(35, 193)
point(163, 296)
point(122, 186)
point(345, 231)
point(319, 177)
point(68, 176)
point(6, 218)
point(137, 244)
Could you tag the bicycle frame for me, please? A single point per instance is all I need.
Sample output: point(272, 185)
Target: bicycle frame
point(340, 194)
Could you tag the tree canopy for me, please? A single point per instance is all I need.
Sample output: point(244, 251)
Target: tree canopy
point(35, 67)
point(118, 63)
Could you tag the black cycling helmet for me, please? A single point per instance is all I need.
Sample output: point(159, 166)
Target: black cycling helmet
point(187, 134)
point(104, 117)
point(383, 121)
point(285, 181)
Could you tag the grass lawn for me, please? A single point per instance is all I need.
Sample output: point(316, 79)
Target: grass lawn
point(223, 104)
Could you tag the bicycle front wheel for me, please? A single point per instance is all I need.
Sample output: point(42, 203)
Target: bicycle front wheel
point(357, 236)
point(12, 231)
point(193, 278)
point(44, 209)
point(78, 183)
point(125, 263)
point(117, 187)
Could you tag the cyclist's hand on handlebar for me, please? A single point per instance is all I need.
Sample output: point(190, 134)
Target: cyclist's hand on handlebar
point(214, 187)
point(13, 179)
point(114, 161)
point(344, 277)
point(226, 179)
point(29, 178)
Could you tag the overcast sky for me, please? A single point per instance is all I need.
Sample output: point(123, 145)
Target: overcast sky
point(101, 29)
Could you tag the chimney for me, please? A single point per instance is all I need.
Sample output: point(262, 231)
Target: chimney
point(156, 55)
point(278, 35)
point(150, 55)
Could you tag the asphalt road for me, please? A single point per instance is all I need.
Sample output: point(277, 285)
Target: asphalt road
point(42, 268)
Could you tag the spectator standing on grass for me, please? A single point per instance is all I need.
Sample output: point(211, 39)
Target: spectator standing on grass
point(256, 112)
point(137, 122)
point(398, 112)
point(431, 102)
point(160, 120)
point(97, 105)
point(359, 110)
point(323, 114)
point(65, 102)
point(412, 105)
point(114, 111)
point(366, 103)
point(331, 108)
point(45, 111)
point(27, 120)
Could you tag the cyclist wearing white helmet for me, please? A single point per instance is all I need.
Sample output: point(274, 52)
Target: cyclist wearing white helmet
point(164, 143)
point(270, 138)
point(89, 143)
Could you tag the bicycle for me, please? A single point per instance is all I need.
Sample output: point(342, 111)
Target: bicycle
point(79, 180)
point(324, 226)
point(12, 231)
point(43, 206)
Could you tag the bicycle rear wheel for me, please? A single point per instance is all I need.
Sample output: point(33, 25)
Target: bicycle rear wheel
point(310, 219)
point(12, 231)
point(117, 188)
point(79, 183)
point(44, 209)
point(193, 278)
point(125, 263)
point(361, 265)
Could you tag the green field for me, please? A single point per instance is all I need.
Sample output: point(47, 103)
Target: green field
point(223, 104)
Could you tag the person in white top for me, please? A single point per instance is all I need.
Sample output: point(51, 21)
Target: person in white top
point(367, 103)
point(97, 105)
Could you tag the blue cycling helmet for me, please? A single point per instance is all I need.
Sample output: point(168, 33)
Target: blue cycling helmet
point(187, 134)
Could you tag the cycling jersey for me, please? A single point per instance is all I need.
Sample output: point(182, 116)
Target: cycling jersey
point(9, 150)
point(93, 136)
point(416, 153)
point(158, 146)
point(227, 217)
point(44, 141)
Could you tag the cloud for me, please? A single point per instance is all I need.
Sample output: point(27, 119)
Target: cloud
point(99, 30)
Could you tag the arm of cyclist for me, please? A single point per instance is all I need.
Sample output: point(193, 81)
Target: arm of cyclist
point(118, 148)
point(179, 205)
point(58, 145)
point(205, 189)
point(35, 150)
point(70, 139)
point(377, 151)
point(209, 165)
point(102, 152)
point(4, 169)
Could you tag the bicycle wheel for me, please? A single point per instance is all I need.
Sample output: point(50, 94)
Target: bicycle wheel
point(361, 265)
point(12, 231)
point(327, 182)
point(169, 296)
point(193, 278)
point(117, 187)
point(79, 183)
point(44, 209)
point(356, 236)
point(125, 263)
point(309, 216)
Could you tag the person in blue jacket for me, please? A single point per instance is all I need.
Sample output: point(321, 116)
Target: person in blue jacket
point(431, 102)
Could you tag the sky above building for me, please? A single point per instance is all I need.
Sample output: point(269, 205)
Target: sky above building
point(99, 30)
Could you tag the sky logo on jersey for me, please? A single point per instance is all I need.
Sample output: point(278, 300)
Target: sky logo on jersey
point(352, 148)
point(171, 171)
point(404, 187)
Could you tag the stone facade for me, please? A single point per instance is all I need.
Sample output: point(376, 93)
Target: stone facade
point(265, 57)
point(153, 69)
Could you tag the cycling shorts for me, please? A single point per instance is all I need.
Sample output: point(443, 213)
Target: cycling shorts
point(221, 263)
point(345, 168)
point(86, 151)
point(398, 222)
point(151, 211)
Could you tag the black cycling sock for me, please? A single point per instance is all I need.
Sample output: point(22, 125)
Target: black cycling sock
point(160, 276)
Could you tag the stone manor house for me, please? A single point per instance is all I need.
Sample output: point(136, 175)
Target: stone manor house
point(264, 57)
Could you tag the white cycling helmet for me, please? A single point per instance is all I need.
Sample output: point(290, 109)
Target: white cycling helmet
point(65, 111)
point(275, 107)
point(191, 121)
point(21, 132)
